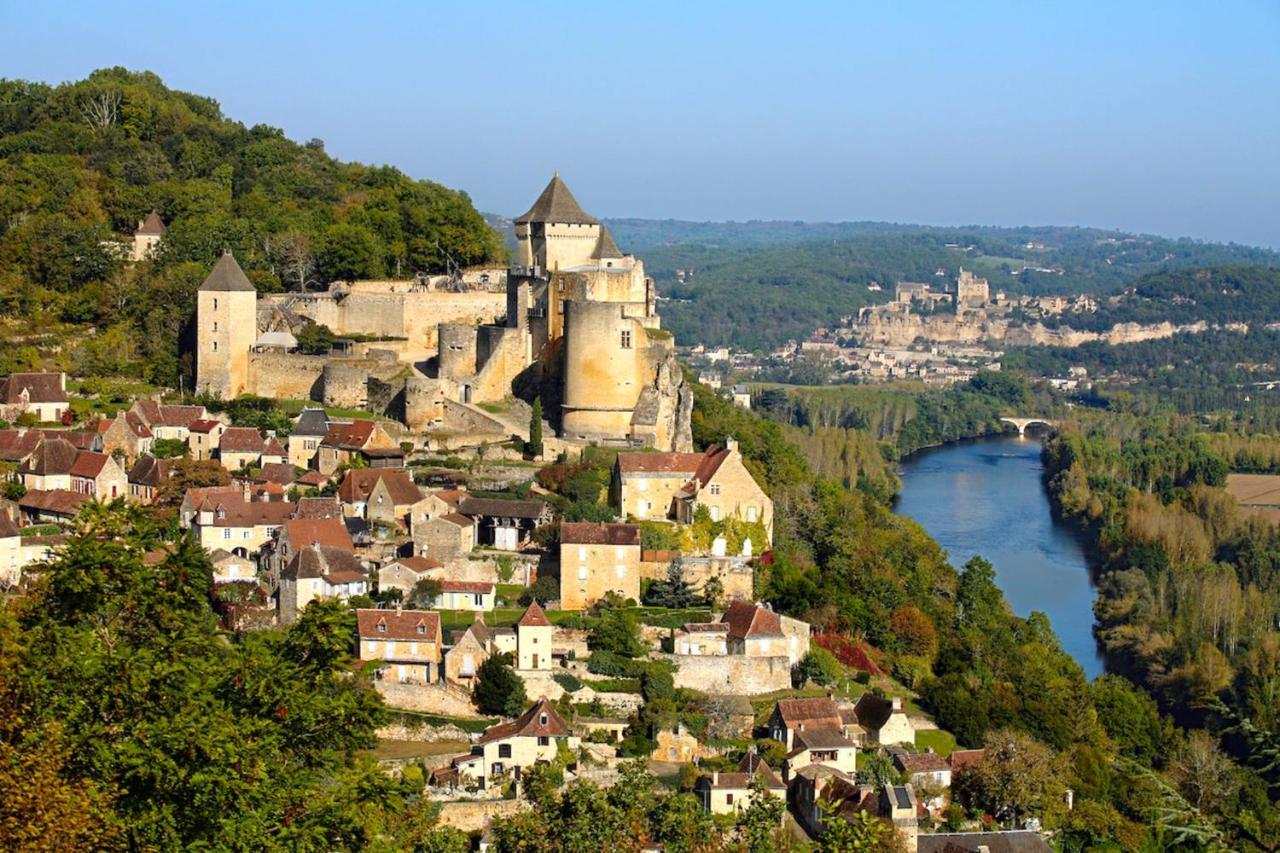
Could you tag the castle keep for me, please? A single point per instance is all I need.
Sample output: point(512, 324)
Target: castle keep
point(573, 321)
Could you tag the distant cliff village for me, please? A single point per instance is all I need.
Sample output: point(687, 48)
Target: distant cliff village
point(572, 324)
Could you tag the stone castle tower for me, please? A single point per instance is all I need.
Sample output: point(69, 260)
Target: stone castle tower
point(226, 328)
point(556, 233)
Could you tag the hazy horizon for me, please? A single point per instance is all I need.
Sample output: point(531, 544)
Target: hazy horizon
point(1146, 118)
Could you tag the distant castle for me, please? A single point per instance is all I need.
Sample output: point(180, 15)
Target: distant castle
point(577, 324)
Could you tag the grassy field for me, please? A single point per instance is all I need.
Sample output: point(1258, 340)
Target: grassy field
point(943, 743)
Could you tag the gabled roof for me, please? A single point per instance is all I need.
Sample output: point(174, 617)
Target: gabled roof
point(78, 438)
point(475, 587)
point(1009, 841)
point(501, 508)
point(240, 440)
point(227, 276)
point(754, 765)
point(748, 621)
point(812, 711)
point(534, 617)
point(316, 508)
point(57, 501)
point(539, 721)
point(335, 565)
point(18, 444)
point(822, 737)
point(89, 464)
point(349, 436)
point(40, 388)
point(204, 425)
point(311, 422)
point(398, 624)
point(151, 226)
point(359, 483)
point(557, 204)
point(676, 464)
point(54, 456)
point(232, 510)
point(920, 762)
point(606, 249)
point(149, 471)
point(599, 533)
point(417, 564)
point(323, 531)
point(156, 413)
point(278, 472)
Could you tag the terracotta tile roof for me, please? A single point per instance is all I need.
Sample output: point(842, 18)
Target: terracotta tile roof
point(8, 529)
point(705, 627)
point(1008, 841)
point(920, 762)
point(809, 711)
point(18, 444)
point(599, 533)
point(962, 758)
point(323, 531)
point(752, 764)
point(235, 511)
point(359, 483)
point(77, 438)
point(398, 625)
point(313, 478)
point(335, 565)
point(149, 470)
point(501, 508)
point(240, 440)
point(349, 436)
point(418, 564)
point(151, 226)
point(273, 447)
point(475, 587)
point(156, 413)
point(453, 497)
point(675, 464)
point(711, 461)
point(556, 204)
point(534, 617)
point(137, 426)
point(455, 518)
point(89, 464)
point(529, 724)
point(748, 621)
point(204, 425)
point(277, 472)
point(53, 456)
point(56, 501)
point(40, 388)
point(316, 508)
point(822, 737)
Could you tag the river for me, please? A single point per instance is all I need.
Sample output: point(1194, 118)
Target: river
point(986, 497)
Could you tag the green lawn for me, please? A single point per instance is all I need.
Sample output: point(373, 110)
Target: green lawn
point(943, 743)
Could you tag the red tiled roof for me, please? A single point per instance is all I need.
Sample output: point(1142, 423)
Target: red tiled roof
point(455, 518)
point(273, 447)
point(204, 425)
point(232, 510)
point(352, 435)
point(529, 724)
point(921, 762)
point(418, 564)
point(480, 587)
point(57, 501)
point(675, 464)
point(811, 711)
point(40, 388)
point(751, 620)
point(7, 528)
point(53, 456)
point(398, 625)
point(281, 473)
point(599, 533)
point(962, 758)
point(313, 478)
point(359, 483)
point(151, 226)
point(18, 444)
point(335, 565)
point(534, 617)
point(77, 438)
point(705, 627)
point(314, 508)
point(240, 440)
point(89, 464)
point(323, 531)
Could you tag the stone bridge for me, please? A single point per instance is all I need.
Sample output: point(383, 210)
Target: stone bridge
point(1023, 423)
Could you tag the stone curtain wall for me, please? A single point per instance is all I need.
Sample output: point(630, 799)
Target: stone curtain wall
point(732, 674)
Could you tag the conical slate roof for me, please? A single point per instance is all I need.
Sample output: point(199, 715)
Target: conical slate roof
point(227, 275)
point(557, 204)
point(151, 226)
point(606, 249)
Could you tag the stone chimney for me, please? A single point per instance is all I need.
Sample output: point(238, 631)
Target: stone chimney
point(730, 444)
point(715, 777)
point(897, 703)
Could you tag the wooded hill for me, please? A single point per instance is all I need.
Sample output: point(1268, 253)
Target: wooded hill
point(81, 163)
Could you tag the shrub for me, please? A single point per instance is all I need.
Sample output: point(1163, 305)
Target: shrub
point(567, 681)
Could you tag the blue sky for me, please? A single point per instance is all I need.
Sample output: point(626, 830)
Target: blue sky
point(1161, 117)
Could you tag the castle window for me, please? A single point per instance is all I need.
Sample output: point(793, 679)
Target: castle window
point(215, 325)
point(215, 303)
point(215, 346)
point(626, 339)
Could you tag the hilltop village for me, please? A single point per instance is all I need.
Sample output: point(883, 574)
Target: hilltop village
point(495, 470)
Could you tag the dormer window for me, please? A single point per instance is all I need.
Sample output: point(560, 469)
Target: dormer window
point(422, 629)
point(382, 628)
point(542, 719)
point(222, 513)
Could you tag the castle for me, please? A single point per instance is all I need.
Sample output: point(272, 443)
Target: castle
point(574, 321)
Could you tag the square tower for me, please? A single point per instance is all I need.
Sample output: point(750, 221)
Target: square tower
point(226, 328)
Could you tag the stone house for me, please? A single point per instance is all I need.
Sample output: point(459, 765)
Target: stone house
point(729, 793)
point(232, 568)
point(927, 772)
point(319, 572)
point(534, 634)
point(126, 433)
point(702, 638)
point(54, 506)
point(819, 785)
point(884, 720)
point(796, 715)
point(383, 495)
point(147, 238)
point(145, 478)
point(364, 438)
point(408, 642)
point(403, 573)
point(658, 486)
point(296, 534)
point(204, 437)
point(309, 429)
point(596, 559)
point(504, 524)
point(821, 744)
point(757, 631)
point(41, 394)
point(98, 476)
point(465, 595)
point(49, 467)
point(443, 536)
point(535, 736)
point(676, 745)
point(17, 445)
point(168, 421)
point(240, 447)
point(226, 520)
point(472, 648)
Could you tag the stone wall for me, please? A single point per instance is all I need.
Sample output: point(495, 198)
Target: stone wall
point(484, 568)
point(287, 376)
point(427, 698)
point(733, 674)
point(474, 815)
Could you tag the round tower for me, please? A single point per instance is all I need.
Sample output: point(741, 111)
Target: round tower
point(423, 403)
point(457, 350)
point(603, 363)
point(346, 386)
